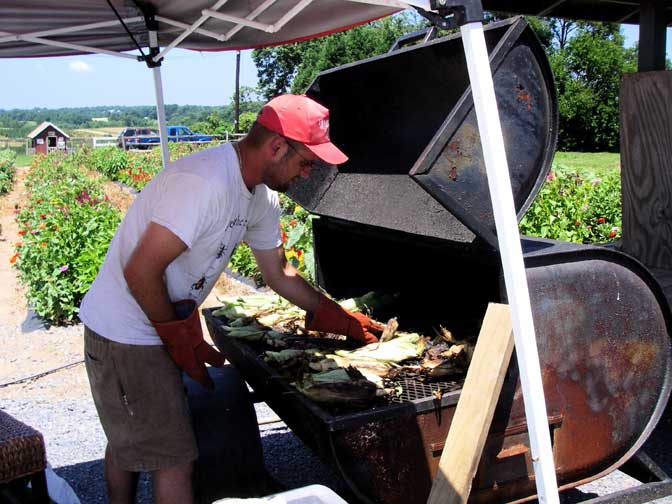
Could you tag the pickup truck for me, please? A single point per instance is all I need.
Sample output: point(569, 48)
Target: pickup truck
point(184, 134)
point(138, 138)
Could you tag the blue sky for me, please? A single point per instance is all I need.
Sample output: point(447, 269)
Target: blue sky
point(189, 77)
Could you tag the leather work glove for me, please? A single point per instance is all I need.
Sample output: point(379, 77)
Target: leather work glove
point(329, 316)
point(183, 338)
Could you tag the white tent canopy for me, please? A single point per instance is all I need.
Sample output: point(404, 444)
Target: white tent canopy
point(66, 27)
point(38, 28)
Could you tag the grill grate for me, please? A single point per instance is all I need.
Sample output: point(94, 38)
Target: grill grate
point(414, 390)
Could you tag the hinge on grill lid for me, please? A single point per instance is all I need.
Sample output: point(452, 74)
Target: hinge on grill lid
point(453, 13)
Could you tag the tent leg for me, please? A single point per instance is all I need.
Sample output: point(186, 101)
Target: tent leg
point(480, 76)
point(160, 108)
point(161, 115)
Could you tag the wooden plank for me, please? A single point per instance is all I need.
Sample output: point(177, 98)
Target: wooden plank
point(475, 408)
point(646, 167)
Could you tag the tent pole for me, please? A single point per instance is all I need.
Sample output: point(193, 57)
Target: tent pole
point(160, 108)
point(161, 115)
point(499, 183)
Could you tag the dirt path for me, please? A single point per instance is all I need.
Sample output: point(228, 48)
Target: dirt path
point(12, 294)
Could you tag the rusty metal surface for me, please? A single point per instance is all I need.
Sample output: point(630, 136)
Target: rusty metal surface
point(452, 167)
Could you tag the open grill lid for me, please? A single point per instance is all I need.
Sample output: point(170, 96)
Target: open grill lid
point(407, 122)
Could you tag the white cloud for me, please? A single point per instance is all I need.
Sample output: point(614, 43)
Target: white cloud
point(80, 66)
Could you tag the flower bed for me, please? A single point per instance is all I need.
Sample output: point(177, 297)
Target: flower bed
point(66, 224)
point(7, 158)
point(134, 168)
point(576, 208)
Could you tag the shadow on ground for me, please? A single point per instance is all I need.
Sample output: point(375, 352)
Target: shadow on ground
point(88, 482)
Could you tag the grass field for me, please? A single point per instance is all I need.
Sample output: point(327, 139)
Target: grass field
point(587, 164)
point(96, 132)
point(23, 160)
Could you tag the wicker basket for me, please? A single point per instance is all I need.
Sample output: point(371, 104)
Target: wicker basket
point(22, 450)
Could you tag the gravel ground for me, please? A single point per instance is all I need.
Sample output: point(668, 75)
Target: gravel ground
point(59, 406)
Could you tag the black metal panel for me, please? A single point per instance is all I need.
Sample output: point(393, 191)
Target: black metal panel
point(399, 112)
point(452, 167)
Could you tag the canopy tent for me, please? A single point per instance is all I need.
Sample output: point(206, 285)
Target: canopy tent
point(38, 28)
point(56, 28)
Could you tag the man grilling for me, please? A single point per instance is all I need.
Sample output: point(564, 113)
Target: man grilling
point(141, 313)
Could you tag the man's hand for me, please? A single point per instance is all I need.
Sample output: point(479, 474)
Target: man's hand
point(329, 316)
point(183, 339)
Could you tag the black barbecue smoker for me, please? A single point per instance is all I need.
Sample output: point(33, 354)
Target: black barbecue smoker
point(410, 214)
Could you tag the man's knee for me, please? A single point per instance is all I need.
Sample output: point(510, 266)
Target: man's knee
point(173, 484)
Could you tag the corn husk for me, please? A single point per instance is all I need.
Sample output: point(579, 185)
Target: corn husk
point(284, 358)
point(401, 348)
point(454, 361)
point(345, 386)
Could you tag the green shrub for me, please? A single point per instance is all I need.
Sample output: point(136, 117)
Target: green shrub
point(7, 158)
point(242, 262)
point(66, 225)
point(574, 208)
point(108, 160)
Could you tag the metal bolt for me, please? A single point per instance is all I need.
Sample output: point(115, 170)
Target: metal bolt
point(442, 2)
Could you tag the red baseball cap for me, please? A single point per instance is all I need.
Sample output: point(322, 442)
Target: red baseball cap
point(304, 120)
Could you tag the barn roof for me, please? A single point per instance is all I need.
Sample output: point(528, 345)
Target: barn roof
point(43, 126)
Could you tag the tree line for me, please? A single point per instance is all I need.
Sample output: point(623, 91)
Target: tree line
point(17, 123)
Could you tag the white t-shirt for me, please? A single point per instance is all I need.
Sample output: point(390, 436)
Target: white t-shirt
point(203, 200)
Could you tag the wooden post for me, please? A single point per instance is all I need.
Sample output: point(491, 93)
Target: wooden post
point(475, 408)
point(646, 167)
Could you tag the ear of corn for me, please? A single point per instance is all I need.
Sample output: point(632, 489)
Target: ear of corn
point(353, 377)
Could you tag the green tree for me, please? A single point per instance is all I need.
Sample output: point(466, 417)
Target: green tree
point(588, 67)
point(294, 66)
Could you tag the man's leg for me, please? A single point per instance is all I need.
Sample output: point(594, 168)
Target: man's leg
point(121, 485)
point(172, 485)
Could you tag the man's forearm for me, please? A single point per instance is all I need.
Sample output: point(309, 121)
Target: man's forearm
point(151, 294)
point(296, 290)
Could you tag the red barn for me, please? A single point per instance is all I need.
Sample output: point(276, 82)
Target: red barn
point(48, 138)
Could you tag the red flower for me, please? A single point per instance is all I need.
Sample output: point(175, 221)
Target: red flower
point(577, 223)
point(43, 244)
point(601, 220)
point(22, 231)
point(14, 258)
point(292, 222)
point(39, 200)
point(589, 227)
point(613, 233)
point(299, 253)
point(43, 216)
point(283, 236)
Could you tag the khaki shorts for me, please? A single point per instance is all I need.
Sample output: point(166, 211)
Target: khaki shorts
point(141, 402)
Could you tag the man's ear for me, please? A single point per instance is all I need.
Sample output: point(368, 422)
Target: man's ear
point(276, 147)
